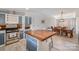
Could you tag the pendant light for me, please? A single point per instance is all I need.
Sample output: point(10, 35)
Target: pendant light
point(61, 16)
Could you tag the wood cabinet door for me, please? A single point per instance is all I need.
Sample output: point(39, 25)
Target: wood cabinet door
point(1, 38)
point(11, 19)
point(20, 19)
point(2, 18)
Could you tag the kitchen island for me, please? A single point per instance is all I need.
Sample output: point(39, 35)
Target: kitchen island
point(36, 39)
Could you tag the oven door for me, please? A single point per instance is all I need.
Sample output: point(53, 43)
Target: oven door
point(11, 35)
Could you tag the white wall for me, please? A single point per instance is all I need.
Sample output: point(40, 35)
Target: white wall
point(36, 22)
point(49, 20)
point(66, 15)
point(77, 25)
point(37, 18)
point(69, 20)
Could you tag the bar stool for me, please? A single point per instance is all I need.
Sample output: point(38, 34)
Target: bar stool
point(52, 28)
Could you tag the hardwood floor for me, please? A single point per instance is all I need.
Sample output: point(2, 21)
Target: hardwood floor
point(18, 46)
point(59, 44)
point(65, 44)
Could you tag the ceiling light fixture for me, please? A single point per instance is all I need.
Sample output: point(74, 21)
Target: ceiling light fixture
point(61, 16)
point(27, 8)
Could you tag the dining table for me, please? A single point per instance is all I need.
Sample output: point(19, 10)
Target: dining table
point(58, 29)
point(66, 30)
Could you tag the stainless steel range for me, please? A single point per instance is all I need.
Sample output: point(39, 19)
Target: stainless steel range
point(12, 32)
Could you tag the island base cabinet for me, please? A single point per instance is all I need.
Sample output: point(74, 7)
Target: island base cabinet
point(42, 46)
point(31, 44)
point(21, 34)
point(34, 44)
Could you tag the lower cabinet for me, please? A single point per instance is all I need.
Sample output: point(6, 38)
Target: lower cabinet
point(31, 43)
point(21, 34)
point(2, 38)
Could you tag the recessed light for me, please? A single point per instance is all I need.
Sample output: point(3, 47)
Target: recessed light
point(27, 8)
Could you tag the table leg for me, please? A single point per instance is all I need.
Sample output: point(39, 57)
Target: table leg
point(52, 42)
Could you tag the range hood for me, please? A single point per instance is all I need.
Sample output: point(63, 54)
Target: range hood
point(11, 26)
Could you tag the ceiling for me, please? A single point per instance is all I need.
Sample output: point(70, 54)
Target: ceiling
point(47, 12)
point(42, 11)
point(53, 11)
point(10, 10)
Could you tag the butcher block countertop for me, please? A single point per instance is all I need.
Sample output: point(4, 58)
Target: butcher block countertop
point(41, 34)
point(2, 26)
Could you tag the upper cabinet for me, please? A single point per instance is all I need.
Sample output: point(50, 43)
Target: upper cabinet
point(12, 19)
point(28, 20)
point(2, 18)
point(20, 19)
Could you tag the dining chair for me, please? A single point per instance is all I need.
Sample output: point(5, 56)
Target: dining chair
point(52, 28)
point(70, 33)
point(63, 31)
